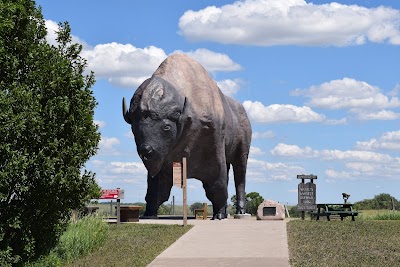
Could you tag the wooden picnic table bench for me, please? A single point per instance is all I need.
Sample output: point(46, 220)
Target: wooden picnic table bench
point(202, 211)
point(343, 210)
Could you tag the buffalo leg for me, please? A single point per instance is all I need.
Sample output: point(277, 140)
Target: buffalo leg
point(158, 191)
point(217, 193)
point(239, 170)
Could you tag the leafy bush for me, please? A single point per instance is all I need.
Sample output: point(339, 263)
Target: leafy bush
point(46, 133)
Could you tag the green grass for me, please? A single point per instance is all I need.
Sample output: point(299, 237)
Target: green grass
point(132, 245)
point(344, 243)
point(80, 238)
point(380, 215)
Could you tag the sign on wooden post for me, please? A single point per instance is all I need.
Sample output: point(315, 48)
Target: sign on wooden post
point(307, 193)
point(117, 194)
point(179, 175)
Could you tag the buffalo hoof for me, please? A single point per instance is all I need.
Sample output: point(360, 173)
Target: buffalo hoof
point(218, 216)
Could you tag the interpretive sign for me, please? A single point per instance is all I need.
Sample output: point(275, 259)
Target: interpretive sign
point(177, 174)
point(112, 194)
point(307, 196)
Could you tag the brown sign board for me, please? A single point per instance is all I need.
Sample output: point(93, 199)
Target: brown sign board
point(177, 174)
point(303, 176)
point(307, 196)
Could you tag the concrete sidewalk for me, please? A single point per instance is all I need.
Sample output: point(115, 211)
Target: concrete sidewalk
point(229, 242)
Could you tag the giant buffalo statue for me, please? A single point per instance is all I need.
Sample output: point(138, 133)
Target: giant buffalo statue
point(180, 112)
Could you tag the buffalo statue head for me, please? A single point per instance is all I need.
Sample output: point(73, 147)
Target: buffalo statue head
point(156, 116)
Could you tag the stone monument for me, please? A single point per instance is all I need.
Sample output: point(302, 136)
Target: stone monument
point(270, 210)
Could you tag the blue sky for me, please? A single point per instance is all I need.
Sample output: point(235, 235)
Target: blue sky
point(319, 80)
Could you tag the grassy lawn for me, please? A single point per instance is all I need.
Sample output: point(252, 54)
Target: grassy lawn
point(133, 245)
point(344, 243)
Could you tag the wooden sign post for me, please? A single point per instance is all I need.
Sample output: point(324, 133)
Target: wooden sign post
point(179, 175)
point(306, 194)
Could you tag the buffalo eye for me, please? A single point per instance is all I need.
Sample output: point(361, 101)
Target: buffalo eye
point(175, 116)
point(167, 127)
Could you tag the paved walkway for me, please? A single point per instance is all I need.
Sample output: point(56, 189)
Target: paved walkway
point(229, 242)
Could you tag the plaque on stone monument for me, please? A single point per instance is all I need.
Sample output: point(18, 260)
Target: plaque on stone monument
point(269, 211)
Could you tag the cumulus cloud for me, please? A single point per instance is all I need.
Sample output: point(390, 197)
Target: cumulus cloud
point(263, 135)
point(365, 101)
point(284, 150)
point(294, 22)
point(128, 66)
point(358, 164)
point(107, 145)
point(128, 168)
point(212, 61)
point(255, 151)
point(262, 171)
point(380, 115)
point(347, 93)
point(257, 112)
point(387, 141)
point(123, 64)
point(229, 87)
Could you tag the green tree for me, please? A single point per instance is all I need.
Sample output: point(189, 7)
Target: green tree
point(253, 200)
point(381, 201)
point(46, 133)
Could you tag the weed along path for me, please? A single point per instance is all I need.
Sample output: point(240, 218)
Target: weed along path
point(229, 242)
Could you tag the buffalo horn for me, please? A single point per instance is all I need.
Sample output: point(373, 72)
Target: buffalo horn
point(125, 111)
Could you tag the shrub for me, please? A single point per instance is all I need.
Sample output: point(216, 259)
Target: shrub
point(47, 133)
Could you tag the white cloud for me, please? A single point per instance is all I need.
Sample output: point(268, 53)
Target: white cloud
point(255, 151)
point(387, 141)
point(380, 115)
point(347, 93)
point(128, 168)
point(292, 22)
point(262, 171)
point(229, 87)
point(124, 64)
point(263, 135)
point(107, 145)
point(355, 155)
point(284, 150)
point(257, 112)
point(101, 124)
point(212, 61)
point(336, 122)
point(127, 66)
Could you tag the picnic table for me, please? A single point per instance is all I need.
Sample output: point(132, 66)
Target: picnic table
point(343, 210)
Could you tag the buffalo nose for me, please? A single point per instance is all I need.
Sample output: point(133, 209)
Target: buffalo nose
point(146, 151)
